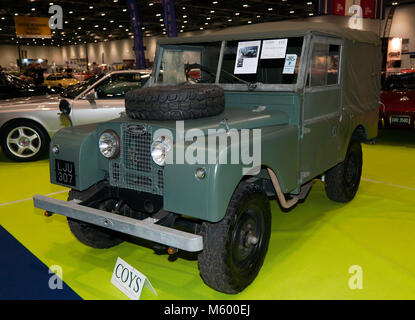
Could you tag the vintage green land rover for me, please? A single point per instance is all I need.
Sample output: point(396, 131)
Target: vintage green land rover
point(306, 96)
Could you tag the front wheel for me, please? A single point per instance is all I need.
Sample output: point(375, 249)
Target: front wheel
point(235, 248)
point(342, 181)
point(94, 236)
point(24, 141)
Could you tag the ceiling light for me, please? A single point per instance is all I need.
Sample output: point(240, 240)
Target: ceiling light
point(104, 29)
point(230, 20)
point(185, 21)
point(245, 6)
point(258, 17)
point(91, 7)
point(66, 21)
point(206, 23)
point(181, 30)
point(201, 28)
point(236, 13)
point(96, 26)
point(394, 3)
point(79, 28)
point(102, 14)
point(292, 11)
point(70, 12)
point(212, 11)
point(124, 10)
point(51, 3)
point(214, 2)
point(311, 14)
point(309, 3)
point(158, 14)
point(270, 9)
point(150, 4)
point(111, 21)
point(208, 18)
point(16, 14)
point(82, 19)
point(33, 9)
point(126, 29)
point(184, 16)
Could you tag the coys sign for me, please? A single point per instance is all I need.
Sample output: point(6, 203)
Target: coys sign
point(129, 280)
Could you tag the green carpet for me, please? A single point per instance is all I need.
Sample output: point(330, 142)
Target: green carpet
point(311, 250)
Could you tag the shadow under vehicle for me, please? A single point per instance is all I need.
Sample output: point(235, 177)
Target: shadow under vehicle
point(126, 176)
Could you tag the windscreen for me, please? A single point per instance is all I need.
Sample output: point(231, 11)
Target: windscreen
point(267, 61)
point(262, 61)
point(197, 63)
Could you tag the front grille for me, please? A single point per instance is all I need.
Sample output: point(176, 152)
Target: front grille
point(135, 169)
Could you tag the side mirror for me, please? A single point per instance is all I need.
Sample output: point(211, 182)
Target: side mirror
point(65, 107)
point(91, 95)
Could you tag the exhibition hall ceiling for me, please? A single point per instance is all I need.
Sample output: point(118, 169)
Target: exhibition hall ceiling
point(104, 20)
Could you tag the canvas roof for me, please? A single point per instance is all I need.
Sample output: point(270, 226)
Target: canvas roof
point(278, 29)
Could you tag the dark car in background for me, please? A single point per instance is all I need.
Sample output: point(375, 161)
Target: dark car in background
point(397, 109)
point(12, 86)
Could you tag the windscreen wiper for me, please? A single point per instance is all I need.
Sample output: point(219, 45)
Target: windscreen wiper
point(251, 85)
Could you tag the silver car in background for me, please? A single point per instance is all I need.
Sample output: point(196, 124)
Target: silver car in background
point(27, 124)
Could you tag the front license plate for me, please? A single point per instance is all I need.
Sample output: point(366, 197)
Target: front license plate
point(400, 120)
point(65, 172)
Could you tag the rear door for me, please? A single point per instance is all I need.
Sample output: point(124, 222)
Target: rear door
point(319, 145)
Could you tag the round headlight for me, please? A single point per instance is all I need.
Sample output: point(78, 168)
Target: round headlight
point(109, 144)
point(159, 149)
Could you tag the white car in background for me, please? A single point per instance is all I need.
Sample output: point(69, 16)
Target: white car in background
point(27, 124)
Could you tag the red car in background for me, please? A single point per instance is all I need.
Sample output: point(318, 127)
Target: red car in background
point(397, 109)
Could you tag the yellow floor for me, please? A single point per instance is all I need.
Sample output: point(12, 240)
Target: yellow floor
point(311, 248)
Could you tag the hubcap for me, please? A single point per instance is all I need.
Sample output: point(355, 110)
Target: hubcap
point(23, 142)
point(246, 239)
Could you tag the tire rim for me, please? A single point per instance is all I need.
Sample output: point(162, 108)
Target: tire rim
point(24, 142)
point(247, 240)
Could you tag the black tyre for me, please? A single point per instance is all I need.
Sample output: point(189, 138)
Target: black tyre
point(179, 102)
point(342, 181)
point(24, 141)
point(94, 236)
point(235, 248)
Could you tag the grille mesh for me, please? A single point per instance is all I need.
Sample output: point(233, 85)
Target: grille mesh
point(134, 169)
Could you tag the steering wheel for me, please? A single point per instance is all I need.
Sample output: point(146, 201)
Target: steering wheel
point(206, 70)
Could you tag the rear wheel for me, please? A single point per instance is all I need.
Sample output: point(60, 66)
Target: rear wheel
point(342, 181)
point(235, 248)
point(24, 141)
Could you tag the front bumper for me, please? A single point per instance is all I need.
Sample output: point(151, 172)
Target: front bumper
point(146, 229)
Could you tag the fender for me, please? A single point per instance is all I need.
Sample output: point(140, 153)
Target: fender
point(208, 198)
point(80, 146)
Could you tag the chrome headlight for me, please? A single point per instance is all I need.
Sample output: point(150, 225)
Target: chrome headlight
point(109, 144)
point(159, 149)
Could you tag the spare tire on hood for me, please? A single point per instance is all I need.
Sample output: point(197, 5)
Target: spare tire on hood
point(179, 102)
